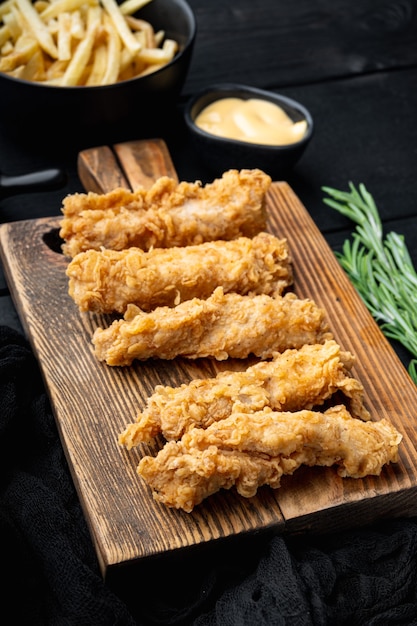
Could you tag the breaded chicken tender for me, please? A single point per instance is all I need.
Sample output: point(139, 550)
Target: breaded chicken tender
point(293, 380)
point(106, 281)
point(168, 214)
point(222, 326)
point(255, 449)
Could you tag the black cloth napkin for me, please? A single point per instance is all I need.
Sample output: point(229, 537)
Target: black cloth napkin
point(50, 575)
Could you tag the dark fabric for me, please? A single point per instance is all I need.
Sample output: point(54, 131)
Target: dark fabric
point(50, 575)
point(47, 557)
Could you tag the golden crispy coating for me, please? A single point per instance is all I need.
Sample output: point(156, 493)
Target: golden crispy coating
point(169, 214)
point(255, 449)
point(106, 281)
point(222, 326)
point(293, 380)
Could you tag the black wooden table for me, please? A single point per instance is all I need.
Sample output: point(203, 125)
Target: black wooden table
point(354, 65)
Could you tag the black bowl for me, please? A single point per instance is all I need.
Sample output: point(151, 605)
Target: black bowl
point(220, 154)
point(48, 109)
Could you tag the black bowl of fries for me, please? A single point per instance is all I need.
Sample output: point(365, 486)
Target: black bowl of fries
point(236, 126)
point(97, 65)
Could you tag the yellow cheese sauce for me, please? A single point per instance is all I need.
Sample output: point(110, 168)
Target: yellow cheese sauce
point(254, 120)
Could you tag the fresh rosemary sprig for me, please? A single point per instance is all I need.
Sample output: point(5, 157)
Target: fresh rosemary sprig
point(379, 267)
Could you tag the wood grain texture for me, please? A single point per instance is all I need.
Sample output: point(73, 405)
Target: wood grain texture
point(287, 43)
point(93, 402)
point(130, 164)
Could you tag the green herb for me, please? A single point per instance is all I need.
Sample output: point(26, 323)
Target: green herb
point(379, 267)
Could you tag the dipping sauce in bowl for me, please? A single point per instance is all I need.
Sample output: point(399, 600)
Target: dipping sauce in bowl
point(234, 126)
point(254, 120)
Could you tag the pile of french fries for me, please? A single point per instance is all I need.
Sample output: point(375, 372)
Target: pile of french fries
point(79, 42)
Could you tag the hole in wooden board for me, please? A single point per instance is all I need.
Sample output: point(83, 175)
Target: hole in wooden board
point(53, 240)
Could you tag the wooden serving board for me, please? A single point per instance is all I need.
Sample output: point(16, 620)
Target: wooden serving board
point(93, 402)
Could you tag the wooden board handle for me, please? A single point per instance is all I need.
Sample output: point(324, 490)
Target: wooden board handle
point(130, 165)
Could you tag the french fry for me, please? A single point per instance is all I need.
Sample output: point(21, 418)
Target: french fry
point(142, 26)
point(170, 47)
point(25, 48)
point(34, 70)
point(126, 60)
point(159, 55)
point(60, 6)
point(121, 26)
point(77, 25)
point(113, 54)
point(52, 26)
point(159, 38)
point(99, 65)
point(41, 5)
point(131, 6)
point(64, 36)
point(38, 27)
point(14, 22)
point(5, 7)
point(5, 35)
point(83, 52)
point(55, 72)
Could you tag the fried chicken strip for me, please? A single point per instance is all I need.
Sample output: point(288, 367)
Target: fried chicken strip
point(251, 450)
point(222, 326)
point(293, 380)
point(106, 281)
point(168, 214)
